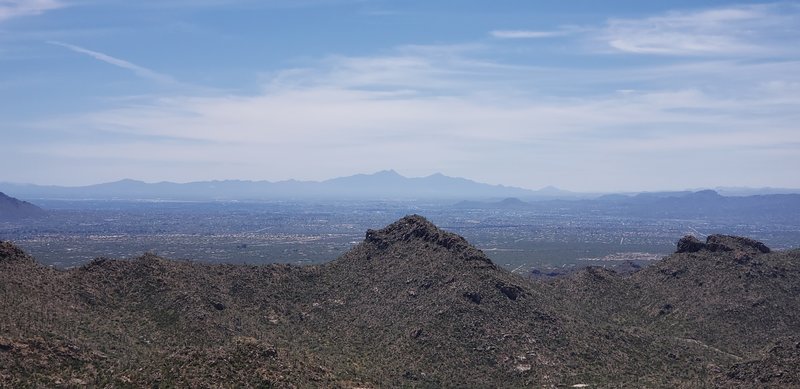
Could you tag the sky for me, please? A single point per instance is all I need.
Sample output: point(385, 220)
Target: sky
point(582, 95)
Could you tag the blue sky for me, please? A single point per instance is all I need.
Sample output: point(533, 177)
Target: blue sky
point(583, 95)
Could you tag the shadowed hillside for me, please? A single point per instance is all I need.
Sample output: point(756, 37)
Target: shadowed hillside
point(13, 209)
point(411, 305)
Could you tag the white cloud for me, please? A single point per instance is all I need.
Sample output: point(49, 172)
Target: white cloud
point(753, 30)
point(138, 70)
point(17, 8)
point(421, 111)
point(464, 111)
point(749, 29)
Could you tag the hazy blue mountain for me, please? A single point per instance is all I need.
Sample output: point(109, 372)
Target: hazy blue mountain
point(11, 208)
point(744, 191)
point(386, 184)
point(705, 204)
point(507, 203)
point(390, 184)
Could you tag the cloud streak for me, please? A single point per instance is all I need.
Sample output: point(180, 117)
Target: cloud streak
point(468, 110)
point(18, 8)
point(742, 30)
point(136, 69)
point(759, 30)
point(452, 112)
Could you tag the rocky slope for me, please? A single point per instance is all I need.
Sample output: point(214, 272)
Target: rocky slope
point(411, 305)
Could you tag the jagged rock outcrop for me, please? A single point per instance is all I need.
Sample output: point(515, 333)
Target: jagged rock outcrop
point(735, 243)
point(689, 244)
point(715, 243)
point(416, 228)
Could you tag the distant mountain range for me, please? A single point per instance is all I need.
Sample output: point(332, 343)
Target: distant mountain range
point(771, 208)
point(386, 184)
point(743, 191)
point(12, 209)
point(383, 185)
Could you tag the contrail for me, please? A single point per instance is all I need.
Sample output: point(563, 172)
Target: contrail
point(138, 70)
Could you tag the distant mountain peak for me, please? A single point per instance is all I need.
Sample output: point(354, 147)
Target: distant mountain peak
point(550, 189)
point(709, 193)
point(512, 201)
point(387, 173)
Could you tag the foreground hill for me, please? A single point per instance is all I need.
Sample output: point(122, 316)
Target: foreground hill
point(411, 305)
point(13, 209)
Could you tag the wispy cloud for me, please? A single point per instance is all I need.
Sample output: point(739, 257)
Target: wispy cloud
point(753, 30)
point(138, 70)
point(465, 110)
point(16, 8)
point(451, 110)
point(529, 34)
point(748, 29)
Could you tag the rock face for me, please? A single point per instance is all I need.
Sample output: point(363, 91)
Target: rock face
point(715, 243)
point(12, 209)
point(410, 306)
point(689, 244)
point(734, 243)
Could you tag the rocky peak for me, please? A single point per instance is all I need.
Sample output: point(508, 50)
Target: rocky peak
point(717, 243)
point(415, 228)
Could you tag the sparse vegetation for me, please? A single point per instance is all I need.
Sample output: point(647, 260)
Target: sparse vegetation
point(412, 305)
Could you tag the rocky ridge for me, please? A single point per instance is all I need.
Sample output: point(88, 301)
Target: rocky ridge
point(412, 305)
point(715, 243)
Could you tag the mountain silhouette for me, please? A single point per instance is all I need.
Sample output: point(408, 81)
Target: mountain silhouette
point(13, 209)
point(386, 184)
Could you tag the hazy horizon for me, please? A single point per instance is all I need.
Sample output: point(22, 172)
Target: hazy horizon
point(543, 187)
point(586, 97)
